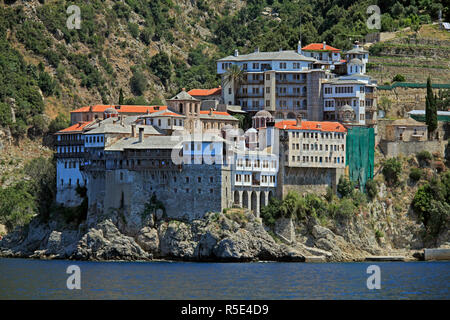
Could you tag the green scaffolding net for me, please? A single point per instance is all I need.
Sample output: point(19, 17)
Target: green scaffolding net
point(360, 154)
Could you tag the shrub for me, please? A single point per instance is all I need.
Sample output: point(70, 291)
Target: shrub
point(399, 78)
point(5, 114)
point(415, 174)
point(371, 189)
point(138, 83)
point(379, 234)
point(59, 123)
point(271, 212)
point(345, 187)
point(424, 158)
point(392, 169)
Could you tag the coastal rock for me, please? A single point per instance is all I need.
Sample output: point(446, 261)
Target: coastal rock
point(107, 243)
point(148, 239)
point(176, 240)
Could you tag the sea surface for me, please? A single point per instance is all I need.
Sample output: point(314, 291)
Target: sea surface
point(47, 279)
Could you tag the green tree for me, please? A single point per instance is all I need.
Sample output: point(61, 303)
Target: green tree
point(371, 189)
point(60, 122)
point(138, 82)
point(399, 78)
point(345, 187)
point(120, 96)
point(161, 66)
point(430, 110)
point(392, 169)
point(234, 77)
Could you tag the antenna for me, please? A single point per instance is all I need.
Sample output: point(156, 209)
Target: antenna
point(300, 29)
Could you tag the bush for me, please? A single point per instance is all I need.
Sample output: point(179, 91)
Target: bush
point(371, 189)
point(271, 212)
point(392, 169)
point(415, 174)
point(138, 83)
point(5, 114)
point(424, 158)
point(399, 78)
point(59, 123)
point(345, 187)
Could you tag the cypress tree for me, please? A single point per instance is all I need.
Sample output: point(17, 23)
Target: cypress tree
point(430, 109)
point(120, 96)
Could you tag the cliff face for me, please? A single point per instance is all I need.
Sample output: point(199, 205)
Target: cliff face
point(232, 236)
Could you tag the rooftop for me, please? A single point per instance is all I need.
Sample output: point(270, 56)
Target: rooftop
point(219, 115)
point(271, 55)
point(324, 126)
point(120, 108)
point(205, 92)
point(319, 47)
point(78, 127)
point(183, 95)
point(407, 122)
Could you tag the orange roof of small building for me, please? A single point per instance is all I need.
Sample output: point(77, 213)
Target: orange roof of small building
point(311, 125)
point(123, 108)
point(205, 92)
point(78, 127)
point(319, 47)
point(222, 113)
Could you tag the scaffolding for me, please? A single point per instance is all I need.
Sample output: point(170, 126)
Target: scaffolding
point(360, 154)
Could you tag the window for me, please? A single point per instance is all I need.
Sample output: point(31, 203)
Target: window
point(244, 66)
point(267, 103)
point(267, 77)
point(267, 89)
point(256, 66)
point(199, 179)
point(187, 179)
point(211, 179)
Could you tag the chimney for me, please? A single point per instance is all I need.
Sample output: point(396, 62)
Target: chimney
point(121, 120)
point(281, 49)
point(324, 45)
point(236, 52)
point(299, 120)
point(133, 130)
point(257, 50)
point(184, 89)
point(141, 134)
point(299, 47)
point(211, 111)
point(356, 44)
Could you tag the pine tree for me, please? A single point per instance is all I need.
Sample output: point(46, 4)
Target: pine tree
point(430, 110)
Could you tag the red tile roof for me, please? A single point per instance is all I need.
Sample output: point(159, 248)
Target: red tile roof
point(123, 108)
point(311, 125)
point(75, 128)
point(319, 47)
point(205, 92)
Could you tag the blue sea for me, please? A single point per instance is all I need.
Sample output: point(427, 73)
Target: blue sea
point(46, 279)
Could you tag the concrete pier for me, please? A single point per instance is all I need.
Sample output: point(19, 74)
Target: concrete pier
point(436, 254)
point(385, 258)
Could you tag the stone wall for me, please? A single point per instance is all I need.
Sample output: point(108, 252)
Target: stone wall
point(186, 194)
point(307, 180)
point(404, 100)
point(394, 149)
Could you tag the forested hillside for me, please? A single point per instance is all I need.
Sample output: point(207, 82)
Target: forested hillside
point(151, 49)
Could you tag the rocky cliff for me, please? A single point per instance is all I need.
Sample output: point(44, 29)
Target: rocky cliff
point(232, 236)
